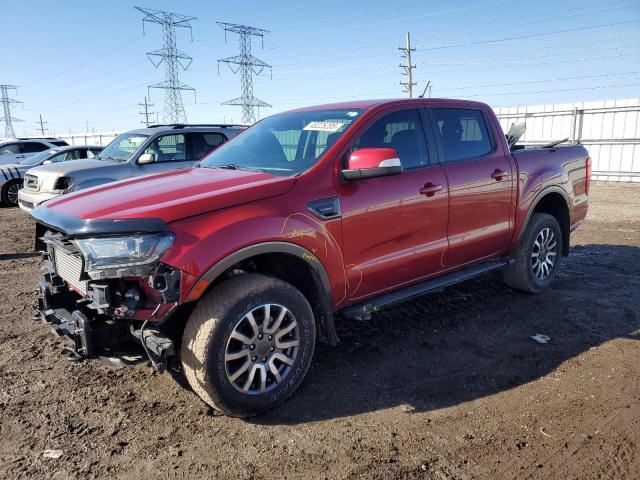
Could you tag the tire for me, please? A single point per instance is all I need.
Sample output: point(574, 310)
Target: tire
point(10, 192)
point(211, 342)
point(524, 274)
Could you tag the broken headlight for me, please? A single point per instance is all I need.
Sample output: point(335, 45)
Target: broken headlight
point(117, 256)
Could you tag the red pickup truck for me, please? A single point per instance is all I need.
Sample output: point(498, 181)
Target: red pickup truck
point(236, 267)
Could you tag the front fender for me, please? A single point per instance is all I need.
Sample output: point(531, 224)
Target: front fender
point(206, 245)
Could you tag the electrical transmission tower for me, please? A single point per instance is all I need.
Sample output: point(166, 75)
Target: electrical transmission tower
point(247, 65)
point(172, 58)
point(6, 104)
point(408, 68)
point(42, 124)
point(146, 114)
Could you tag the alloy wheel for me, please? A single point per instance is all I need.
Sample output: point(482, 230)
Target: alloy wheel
point(261, 349)
point(544, 254)
point(12, 193)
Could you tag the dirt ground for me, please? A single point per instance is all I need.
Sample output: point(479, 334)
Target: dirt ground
point(448, 386)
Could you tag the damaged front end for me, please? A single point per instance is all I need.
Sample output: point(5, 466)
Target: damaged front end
point(105, 288)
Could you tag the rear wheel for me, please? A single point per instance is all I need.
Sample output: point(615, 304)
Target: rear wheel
point(10, 192)
point(537, 256)
point(248, 344)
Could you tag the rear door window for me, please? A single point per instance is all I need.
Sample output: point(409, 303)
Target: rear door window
point(33, 147)
point(59, 143)
point(463, 133)
point(203, 143)
point(168, 148)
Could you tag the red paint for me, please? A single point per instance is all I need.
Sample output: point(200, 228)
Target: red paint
point(393, 231)
point(370, 157)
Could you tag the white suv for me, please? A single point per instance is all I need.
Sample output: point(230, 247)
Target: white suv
point(13, 151)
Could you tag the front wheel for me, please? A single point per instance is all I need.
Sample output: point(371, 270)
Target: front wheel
point(10, 192)
point(537, 256)
point(248, 344)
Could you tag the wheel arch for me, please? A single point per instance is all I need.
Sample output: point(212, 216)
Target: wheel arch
point(287, 261)
point(554, 201)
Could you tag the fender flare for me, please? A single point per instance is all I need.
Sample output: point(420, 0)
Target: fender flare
point(319, 274)
point(538, 198)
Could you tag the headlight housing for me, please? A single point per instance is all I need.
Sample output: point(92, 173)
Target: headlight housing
point(53, 184)
point(108, 257)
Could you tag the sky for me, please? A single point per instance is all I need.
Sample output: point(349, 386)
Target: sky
point(82, 64)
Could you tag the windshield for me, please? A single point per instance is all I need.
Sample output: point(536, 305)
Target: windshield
point(38, 157)
point(285, 144)
point(122, 147)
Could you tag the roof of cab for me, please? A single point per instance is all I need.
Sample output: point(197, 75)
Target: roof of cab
point(152, 129)
point(368, 104)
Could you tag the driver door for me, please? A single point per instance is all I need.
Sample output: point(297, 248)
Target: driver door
point(394, 232)
point(170, 151)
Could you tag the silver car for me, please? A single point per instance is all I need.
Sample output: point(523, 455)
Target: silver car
point(138, 152)
point(12, 174)
point(13, 151)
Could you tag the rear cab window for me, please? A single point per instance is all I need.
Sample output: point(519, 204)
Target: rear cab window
point(463, 133)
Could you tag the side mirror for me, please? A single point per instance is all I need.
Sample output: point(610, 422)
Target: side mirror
point(146, 158)
point(371, 163)
point(47, 162)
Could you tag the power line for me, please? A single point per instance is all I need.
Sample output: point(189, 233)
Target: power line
point(247, 65)
point(146, 113)
point(284, 10)
point(486, 26)
point(172, 58)
point(408, 66)
point(7, 102)
point(76, 66)
point(395, 20)
point(528, 36)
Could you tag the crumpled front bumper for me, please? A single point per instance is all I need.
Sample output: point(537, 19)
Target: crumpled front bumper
point(95, 336)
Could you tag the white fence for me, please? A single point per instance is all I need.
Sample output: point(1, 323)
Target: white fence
point(610, 130)
point(88, 138)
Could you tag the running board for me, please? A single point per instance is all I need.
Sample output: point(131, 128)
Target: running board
point(365, 308)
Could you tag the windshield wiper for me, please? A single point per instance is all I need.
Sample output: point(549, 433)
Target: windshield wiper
point(230, 166)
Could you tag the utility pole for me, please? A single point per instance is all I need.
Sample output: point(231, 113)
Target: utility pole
point(172, 58)
point(408, 68)
point(6, 104)
point(145, 115)
point(247, 65)
point(42, 123)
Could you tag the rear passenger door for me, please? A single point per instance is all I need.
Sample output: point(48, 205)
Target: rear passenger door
point(481, 185)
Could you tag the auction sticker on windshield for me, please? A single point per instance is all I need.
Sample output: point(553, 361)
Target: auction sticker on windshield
point(324, 126)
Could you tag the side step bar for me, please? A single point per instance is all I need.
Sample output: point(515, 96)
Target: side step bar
point(365, 308)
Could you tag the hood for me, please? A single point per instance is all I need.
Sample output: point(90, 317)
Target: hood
point(171, 195)
point(64, 169)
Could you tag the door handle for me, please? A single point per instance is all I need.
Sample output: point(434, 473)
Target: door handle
point(498, 174)
point(430, 189)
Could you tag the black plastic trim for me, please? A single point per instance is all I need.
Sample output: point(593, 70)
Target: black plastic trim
point(429, 286)
point(325, 208)
point(76, 227)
